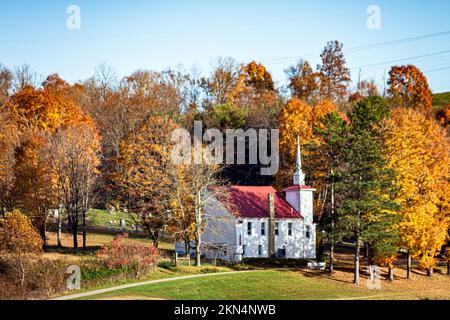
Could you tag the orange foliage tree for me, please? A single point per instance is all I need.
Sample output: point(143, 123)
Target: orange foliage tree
point(141, 181)
point(47, 108)
point(38, 114)
point(34, 191)
point(9, 139)
point(443, 116)
point(408, 88)
point(74, 159)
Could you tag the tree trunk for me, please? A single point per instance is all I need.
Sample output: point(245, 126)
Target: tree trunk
point(369, 254)
point(430, 272)
point(73, 223)
point(357, 253)
point(198, 228)
point(44, 237)
point(84, 231)
point(332, 229)
point(366, 251)
point(187, 247)
point(58, 232)
point(448, 268)
point(408, 265)
point(75, 239)
point(391, 274)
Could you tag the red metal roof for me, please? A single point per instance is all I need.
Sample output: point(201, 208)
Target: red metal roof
point(252, 202)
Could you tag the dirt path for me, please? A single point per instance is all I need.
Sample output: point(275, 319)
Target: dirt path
point(138, 284)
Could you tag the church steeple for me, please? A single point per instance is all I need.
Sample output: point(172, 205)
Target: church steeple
point(299, 177)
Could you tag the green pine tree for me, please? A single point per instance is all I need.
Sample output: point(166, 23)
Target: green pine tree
point(326, 156)
point(366, 182)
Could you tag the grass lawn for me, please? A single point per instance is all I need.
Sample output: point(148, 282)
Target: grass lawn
point(282, 285)
point(107, 219)
point(440, 100)
point(94, 242)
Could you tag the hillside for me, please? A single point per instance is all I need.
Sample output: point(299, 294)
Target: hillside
point(440, 100)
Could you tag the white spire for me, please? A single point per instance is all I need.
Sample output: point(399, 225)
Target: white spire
point(299, 177)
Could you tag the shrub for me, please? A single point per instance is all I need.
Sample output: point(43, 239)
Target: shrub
point(18, 236)
point(131, 256)
point(28, 276)
point(209, 270)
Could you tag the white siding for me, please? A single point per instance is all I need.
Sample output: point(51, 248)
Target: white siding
point(224, 230)
point(297, 245)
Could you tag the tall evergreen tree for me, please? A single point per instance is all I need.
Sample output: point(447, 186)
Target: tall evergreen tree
point(367, 183)
point(327, 157)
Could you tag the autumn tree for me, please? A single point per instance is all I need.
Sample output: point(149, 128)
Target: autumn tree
point(220, 84)
point(24, 76)
point(256, 93)
point(141, 180)
point(255, 75)
point(304, 82)
point(45, 109)
point(335, 75)
point(6, 78)
point(443, 116)
point(74, 160)
point(118, 107)
point(39, 113)
point(408, 88)
point(368, 88)
point(34, 191)
point(294, 121)
point(9, 140)
point(19, 241)
point(418, 151)
point(18, 235)
point(192, 183)
point(297, 118)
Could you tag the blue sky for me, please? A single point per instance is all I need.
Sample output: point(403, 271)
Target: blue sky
point(156, 34)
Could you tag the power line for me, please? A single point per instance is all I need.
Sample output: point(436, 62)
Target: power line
point(190, 29)
point(401, 60)
point(436, 70)
point(364, 47)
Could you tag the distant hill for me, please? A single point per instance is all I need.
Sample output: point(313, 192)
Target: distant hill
point(441, 100)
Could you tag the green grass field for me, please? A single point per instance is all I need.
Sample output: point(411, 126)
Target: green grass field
point(106, 219)
point(268, 285)
point(440, 100)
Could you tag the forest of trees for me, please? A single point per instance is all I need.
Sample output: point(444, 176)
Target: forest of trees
point(379, 160)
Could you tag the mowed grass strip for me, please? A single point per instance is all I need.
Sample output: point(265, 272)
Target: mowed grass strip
point(258, 285)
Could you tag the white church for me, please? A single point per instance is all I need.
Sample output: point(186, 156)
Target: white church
point(259, 222)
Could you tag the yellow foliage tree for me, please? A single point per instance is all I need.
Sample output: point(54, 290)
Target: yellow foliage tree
point(18, 236)
point(418, 151)
point(299, 119)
